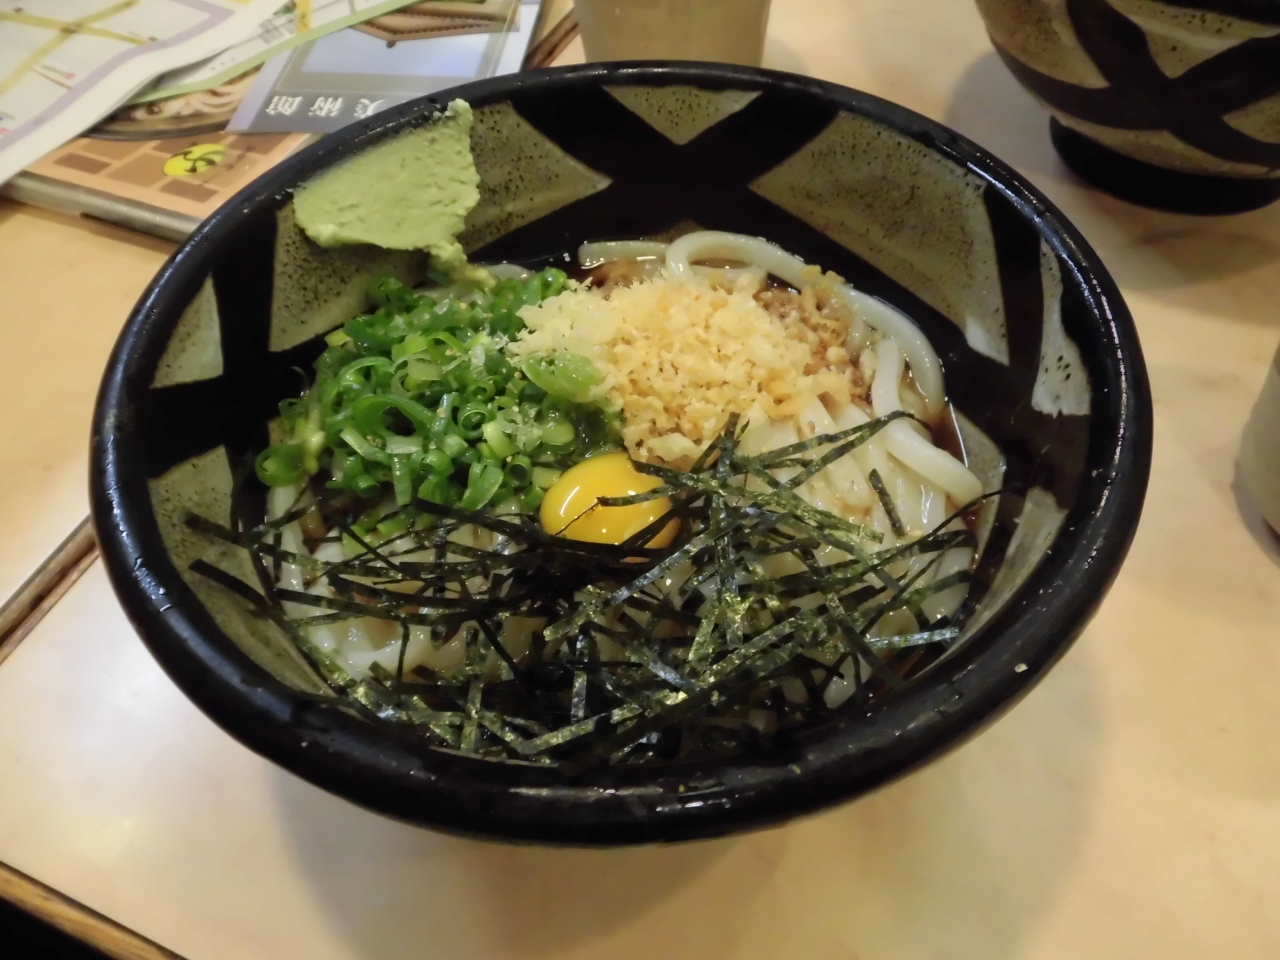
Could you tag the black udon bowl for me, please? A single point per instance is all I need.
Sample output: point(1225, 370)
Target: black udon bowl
point(900, 205)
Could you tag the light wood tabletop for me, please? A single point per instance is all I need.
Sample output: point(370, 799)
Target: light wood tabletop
point(1128, 808)
point(68, 286)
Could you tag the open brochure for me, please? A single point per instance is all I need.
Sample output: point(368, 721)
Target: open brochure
point(161, 168)
point(352, 74)
point(67, 63)
point(292, 24)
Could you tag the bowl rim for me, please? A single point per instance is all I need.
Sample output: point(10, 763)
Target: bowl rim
point(408, 780)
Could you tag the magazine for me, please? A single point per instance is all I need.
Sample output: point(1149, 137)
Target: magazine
point(322, 86)
point(68, 63)
point(295, 22)
point(162, 187)
point(162, 167)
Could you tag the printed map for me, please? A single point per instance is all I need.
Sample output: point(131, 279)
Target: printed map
point(297, 21)
point(64, 64)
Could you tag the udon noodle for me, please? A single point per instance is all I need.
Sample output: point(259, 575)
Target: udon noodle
point(578, 353)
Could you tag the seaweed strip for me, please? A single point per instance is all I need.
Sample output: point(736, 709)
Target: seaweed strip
point(886, 501)
point(739, 671)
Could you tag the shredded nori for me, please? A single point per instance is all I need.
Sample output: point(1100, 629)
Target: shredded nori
point(645, 655)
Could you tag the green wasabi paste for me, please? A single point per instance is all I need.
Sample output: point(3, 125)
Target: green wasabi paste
point(411, 192)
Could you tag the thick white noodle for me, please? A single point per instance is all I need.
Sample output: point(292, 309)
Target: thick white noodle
point(279, 501)
point(914, 404)
point(875, 456)
point(846, 416)
point(923, 506)
point(886, 396)
point(844, 476)
point(843, 685)
point(932, 462)
point(783, 434)
point(419, 652)
point(593, 254)
point(711, 244)
point(906, 443)
point(947, 602)
point(926, 368)
point(820, 492)
point(770, 435)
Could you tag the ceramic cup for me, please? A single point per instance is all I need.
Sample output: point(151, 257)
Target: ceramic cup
point(721, 31)
point(1260, 449)
point(1172, 104)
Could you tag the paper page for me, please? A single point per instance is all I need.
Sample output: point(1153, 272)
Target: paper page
point(349, 75)
point(295, 22)
point(65, 64)
point(192, 175)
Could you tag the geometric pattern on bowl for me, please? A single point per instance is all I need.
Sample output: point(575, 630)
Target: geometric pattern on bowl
point(890, 201)
point(1187, 85)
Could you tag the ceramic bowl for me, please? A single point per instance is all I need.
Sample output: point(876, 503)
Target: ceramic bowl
point(1041, 357)
point(1169, 103)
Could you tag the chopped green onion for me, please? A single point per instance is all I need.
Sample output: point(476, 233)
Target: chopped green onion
point(544, 478)
point(497, 440)
point(414, 343)
point(452, 445)
point(471, 419)
point(362, 446)
point(365, 485)
point(419, 388)
point(531, 498)
point(404, 445)
point(528, 436)
point(483, 483)
point(394, 525)
point(281, 465)
point(370, 413)
point(481, 390)
point(444, 418)
point(391, 293)
point(402, 480)
point(519, 471)
point(438, 461)
point(419, 371)
point(557, 433)
point(565, 375)
point(436, 489)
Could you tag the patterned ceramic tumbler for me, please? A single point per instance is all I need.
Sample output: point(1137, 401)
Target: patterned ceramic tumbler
point(1168, 103)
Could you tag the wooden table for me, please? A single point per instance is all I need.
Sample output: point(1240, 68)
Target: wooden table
point(67, 287)
point(1128, 808)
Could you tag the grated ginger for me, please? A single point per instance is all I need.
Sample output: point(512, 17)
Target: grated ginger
point(677, 356)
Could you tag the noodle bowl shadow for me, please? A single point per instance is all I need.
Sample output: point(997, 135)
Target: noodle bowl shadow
point(1041, 358)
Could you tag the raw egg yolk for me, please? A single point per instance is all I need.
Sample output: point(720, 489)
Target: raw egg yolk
point(569, 508)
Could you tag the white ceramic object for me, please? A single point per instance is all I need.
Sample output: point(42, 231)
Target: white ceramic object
point(1260, 448)
point(724, 31)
